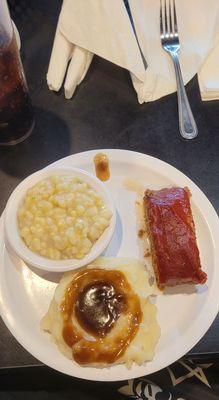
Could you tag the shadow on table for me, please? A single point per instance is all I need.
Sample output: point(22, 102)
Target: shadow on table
point(49, 141)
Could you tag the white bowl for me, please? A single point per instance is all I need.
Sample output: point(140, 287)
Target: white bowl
point(18, 245)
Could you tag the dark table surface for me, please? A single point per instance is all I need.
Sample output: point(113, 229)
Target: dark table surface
point(104, 113)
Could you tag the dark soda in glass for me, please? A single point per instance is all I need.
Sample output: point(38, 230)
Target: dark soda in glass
point(16, 114)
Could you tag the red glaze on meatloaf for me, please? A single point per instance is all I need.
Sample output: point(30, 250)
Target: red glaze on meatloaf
point(171, 229)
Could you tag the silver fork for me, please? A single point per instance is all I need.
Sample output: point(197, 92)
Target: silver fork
point(170, 42)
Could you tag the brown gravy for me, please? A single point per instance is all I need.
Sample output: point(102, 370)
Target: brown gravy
point(96, 298)
point(98, 307)
point(101, 163)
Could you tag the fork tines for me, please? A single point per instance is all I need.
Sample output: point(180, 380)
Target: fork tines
point(168, 20)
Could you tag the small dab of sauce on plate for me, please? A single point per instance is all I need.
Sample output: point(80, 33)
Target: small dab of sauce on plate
point(102, 169)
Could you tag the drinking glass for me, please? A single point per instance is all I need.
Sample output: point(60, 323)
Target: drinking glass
point(16, 113)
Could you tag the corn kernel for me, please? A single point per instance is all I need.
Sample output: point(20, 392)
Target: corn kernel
point(80, 210)
point(25, 231)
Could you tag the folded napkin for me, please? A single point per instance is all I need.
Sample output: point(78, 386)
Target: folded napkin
point(127, 39)
point(208, 76)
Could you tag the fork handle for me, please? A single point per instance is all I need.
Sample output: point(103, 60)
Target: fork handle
point(187, 126)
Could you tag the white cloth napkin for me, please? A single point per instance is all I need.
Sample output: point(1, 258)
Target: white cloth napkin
point(103, 27)
point(208, 76)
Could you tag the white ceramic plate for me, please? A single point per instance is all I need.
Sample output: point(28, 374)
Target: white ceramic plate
point(17, 36)
point(184, 317)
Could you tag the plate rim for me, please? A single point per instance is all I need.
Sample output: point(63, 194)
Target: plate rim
point(213, 217)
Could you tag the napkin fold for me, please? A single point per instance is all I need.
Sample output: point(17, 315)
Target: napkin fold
point(208, 77)
point(106, 29)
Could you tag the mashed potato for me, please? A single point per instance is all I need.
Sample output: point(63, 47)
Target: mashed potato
point(61, 217)
point(142, 346)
